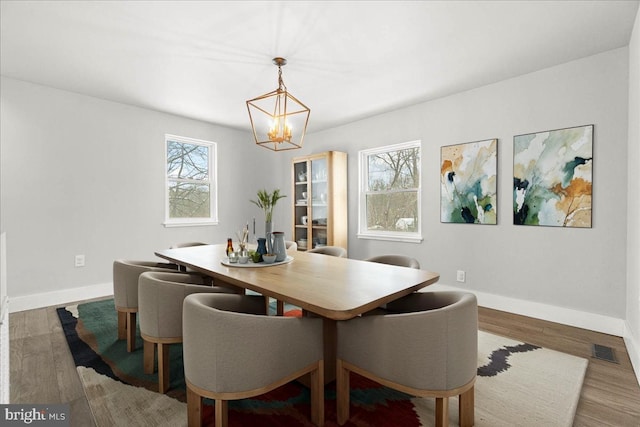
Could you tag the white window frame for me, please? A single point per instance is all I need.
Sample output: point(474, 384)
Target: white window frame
point(212, 180)
point(363, 169)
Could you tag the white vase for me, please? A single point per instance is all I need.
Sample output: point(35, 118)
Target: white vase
point(267, 235)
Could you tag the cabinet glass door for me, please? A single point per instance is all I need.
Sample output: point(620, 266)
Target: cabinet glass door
point(302, 197)
point(319, 202)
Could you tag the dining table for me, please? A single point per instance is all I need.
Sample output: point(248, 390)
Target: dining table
point(336, 289)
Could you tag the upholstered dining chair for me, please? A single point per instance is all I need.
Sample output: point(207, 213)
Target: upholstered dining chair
point(435, 355)
point(232, 350)
point(160, 297)
point(336, 251)
point(186, 245)
point(399, 260)
point(125, 294)
point(291, 245)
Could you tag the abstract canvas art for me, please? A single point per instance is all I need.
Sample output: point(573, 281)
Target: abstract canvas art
point(468, 175)
point(552, 177)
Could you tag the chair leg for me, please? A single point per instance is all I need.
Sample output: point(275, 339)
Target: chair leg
point(131, 331)
point(122, 325)
point(342, 392)
point(194, 408)
point(280, 308)
point(163, 367)
point(466, 408)
point(222, 413)
point(148, 356)
point(317, 395)
point(442, 412)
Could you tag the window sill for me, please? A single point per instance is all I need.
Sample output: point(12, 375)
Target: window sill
point(392, 237)
point(192, 223)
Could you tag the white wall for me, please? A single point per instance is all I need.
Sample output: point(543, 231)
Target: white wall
point(82, 175)
point(632, 336)
point(540, 268)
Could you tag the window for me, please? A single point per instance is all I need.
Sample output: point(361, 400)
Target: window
point(191, 196)
point(389, 206)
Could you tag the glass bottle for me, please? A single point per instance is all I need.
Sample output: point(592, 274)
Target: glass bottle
point(229, 246)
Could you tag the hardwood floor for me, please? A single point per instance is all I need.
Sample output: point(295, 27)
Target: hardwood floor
point(42, 369)
point(41, 366)
point(610, 393)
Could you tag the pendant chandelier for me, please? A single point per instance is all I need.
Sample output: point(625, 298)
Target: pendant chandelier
point(278, 119)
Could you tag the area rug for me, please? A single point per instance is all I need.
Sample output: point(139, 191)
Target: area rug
point(518, 384)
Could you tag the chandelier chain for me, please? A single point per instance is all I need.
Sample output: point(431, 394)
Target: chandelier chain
point(281, 85)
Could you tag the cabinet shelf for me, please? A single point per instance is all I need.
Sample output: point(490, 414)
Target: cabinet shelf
point(325, 189)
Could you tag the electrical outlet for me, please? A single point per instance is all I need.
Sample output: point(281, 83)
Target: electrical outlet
point(79, 260)
point(461, 276)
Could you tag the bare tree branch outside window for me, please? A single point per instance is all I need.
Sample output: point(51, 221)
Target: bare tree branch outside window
point(393, 182)
point(188, 177)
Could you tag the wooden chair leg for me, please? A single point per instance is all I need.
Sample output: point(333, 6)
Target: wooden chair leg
point(163, 367)
point(280, 308)
point(131, 331)
point(148, 356)
point(317, 395)
point(194, 408)
point(222, 413)
point(466, 408)
point(342, 392)
point(442, 412)
point(122, 325)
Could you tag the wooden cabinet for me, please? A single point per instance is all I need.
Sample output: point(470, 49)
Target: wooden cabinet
point(320, 200)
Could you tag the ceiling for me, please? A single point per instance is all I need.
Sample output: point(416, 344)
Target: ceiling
point(346, 59)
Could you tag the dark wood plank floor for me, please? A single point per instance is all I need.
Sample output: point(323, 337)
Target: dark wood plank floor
point(42, 370)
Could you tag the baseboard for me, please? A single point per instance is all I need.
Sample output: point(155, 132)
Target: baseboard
point(633, 348)
point(63, 296)
point(566, 316)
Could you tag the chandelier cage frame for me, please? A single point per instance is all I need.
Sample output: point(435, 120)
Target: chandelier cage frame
point(278, 119)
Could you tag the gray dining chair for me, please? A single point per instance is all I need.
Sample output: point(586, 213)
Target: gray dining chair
point(233, 350)
point(427, 348)
point(160, 297)
point(125, 294)
point(186, 245)
point(291, 245)
point(336, 251)
point(399, 260)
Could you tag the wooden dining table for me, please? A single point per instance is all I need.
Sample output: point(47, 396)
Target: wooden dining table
point(336, 289)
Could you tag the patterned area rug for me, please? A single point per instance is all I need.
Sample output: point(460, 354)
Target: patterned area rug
point(518, 384)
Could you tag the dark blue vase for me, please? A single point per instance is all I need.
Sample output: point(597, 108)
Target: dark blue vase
point(262, 247)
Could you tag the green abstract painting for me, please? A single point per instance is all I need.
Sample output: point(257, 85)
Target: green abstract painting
point(552, 177)
point(468, 174)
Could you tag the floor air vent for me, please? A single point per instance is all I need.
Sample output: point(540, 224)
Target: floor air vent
point(603, 352)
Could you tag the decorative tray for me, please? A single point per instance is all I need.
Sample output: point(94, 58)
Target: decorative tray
point(251, 264)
